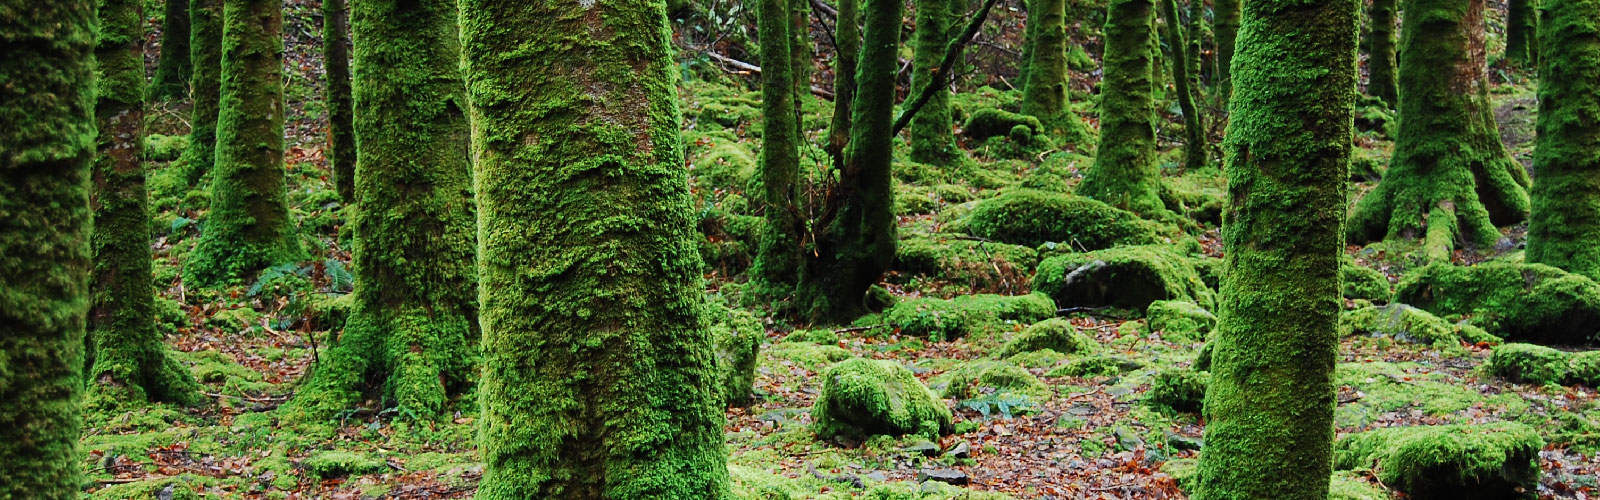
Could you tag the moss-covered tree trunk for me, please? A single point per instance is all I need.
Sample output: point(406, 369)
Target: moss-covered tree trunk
point(248, 228)
point(777, 266)
point(46, 146)
point(1269, 406)
point(1522, 44)
point(415, 316)
point(856, 242)
point(1194, 146)
point(932, 140)
point(847, 38)
point(1125, 174)
point(800, 50)
point(205, 56)
point(1030, 37)
point(173, 68)
point(1196, 48)
point(598, 379)
point(1381, 82)
point(1225, 18)
point(1565, 224)
point(1045, 93)
point(126, 356)
point(341, 126)
point(1450, 181)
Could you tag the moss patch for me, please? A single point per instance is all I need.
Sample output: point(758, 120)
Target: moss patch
point(1128, 277)
point(1032, 218)
point(863, 397)
point(1521, 302)
point(1489, 461)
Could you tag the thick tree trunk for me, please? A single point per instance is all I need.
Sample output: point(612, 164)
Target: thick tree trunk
point(1124, 172)
point(932, 140)
point(46, 146)
point(1381, 82)
point(205, 55)
point(1269, 406)
point(1225, 16)
point(1565, 223)
point(126, 356)
point(173, 68)
point(847, 37)
point(1522, 46)
point(341, 128)
point(248, 228)
point(857, 241)
point(410, 333)
point(598, 377)
point(1045, 94)
point(1450, 180)
point(777, 266)
point(1194, 147)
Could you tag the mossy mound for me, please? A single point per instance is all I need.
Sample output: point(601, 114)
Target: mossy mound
point(1347, 486)
point(984, 123)
point(1456, 462)
point(166, 488)
point(1178, 390)
point(1521, 302)
point(1127, 277)
point(164, 147)
point(1534, 364)
point(737, 336)
point(1055, 334)
point(1360, 282)
point(725, 165)
point(807, 355)
point(1032, 218)
point(944, 319)
point(864, 397)
point(976, 262)
point(1409, 324)
point(1181, 321)
point(1096, 366)
point(978, 378)
point(338, 463)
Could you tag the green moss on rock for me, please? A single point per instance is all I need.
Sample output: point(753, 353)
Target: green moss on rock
point(1488, 461)
point(1181, 321)
point(984, 123)
point(1521, 302)
point(1178, 390)
point(1055, 334)
point(1361, 282)
point(978, 378)
point(1129, 277)
point(945, 319)
point(1534, 364)
point(962, 260)
point(864, 397)
point(737, 335)
point(1031, 218)
point(339, 463)
point(1410, 324)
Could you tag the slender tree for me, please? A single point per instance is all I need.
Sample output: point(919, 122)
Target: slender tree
point(847, 38)
point(205, 56)
point(46, 146)
point(1194, 146)
point(248, 228)
point(173, 68)
point(598, 378)
point(1522, 45)
point(1196, 48)
point(932, 140)
point(415, 316)
point(1030, 36)
point(856, 243)
point(341, 127)
point(1450, 180)
point(126, 356)
point(1381, 82)
point(1225, 17)
point(1565, 223)
point(1045, 93)
point(1269, 406)
point(1124, 172)
point(777, 266)
point(800, 50)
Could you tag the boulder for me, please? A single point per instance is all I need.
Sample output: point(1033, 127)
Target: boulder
point(944, 319)
point(1448, 462)
point(1031, 218)
point(1054, 334)
point(1126, 277)
point(1520, 302)
point(864, 397)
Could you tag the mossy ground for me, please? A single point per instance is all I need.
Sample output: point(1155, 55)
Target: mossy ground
point(1091, 433)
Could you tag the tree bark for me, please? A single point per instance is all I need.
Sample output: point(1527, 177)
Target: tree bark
point(1381, 82)
point(1124, 173)
point(1045, 93)
point(1269, 406)
point(1565, 222)
point(1522, 45)
point(46, 147)
point(205, 56)
point(341, 128)
point(1225, 16)
point(173, 68)
point(777, 266)
point(598, 375)
point(847, 38)
point(1194, 147)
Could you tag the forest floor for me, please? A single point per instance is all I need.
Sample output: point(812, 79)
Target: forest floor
point(1090, 437)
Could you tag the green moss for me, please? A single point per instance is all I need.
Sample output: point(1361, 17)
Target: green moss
point(1031, 218)
point(339, 463)
point(737, 335)
point(1385, 388)
point(984, 265)
point(983, 378)
point(1528, 363)
point(1040, 359)
point(1521, 302)
point(946, 319)
point(1045, 93)
point(164, 147)
point(1054, 334)
point(1129, 277)
point(1181, 321)
point(1410, 324)
point(1448, 462)
point(984, 123)
point(779, 258)
point(172, 67)
point(1565, 220)
point(46, 152)
point(1348, 486)
point(1178, 390)
point(863, 397)
point(1096, 366)
point(1125, 173)
point(1523, 47)
point(809, 356)
point(591, 300)
point(181, 487)
point(1381, 82)
point(725, 165)
point(205, 53)
point(1361, 282)
point(1584, 368)
point(1185, 82)
point(937, 25)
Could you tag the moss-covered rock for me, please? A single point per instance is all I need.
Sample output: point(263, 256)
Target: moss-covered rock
point(1533, 364)
point(1181, 321)
point(978, 378)
point(1096, 366)
point(1178, 390)
point(725, 165)
point(1031, 217)
point(990, 122)
point(807, 355)
point(336, 463)
point(164, 147)
point(736, 335)
point(1055, 334)
point(943, 319)
point(1410, 324)
point(166, 488)
point(864, 397)
point(1347, 486)
point(981, 264)
point(1521, 302)
point(1489, 461)
point(1360, 282)
point(1128, 277)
